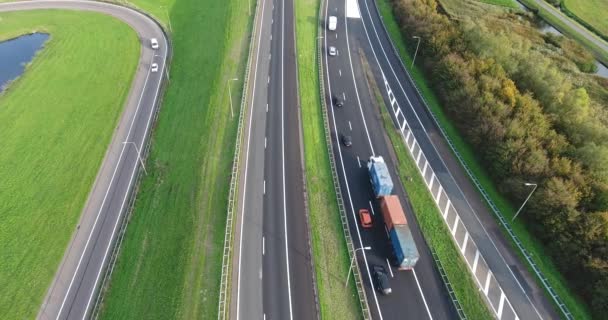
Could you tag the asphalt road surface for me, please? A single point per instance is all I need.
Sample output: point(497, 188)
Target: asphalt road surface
point(417, 294)
point(503, 273)
point(73, 292)
point(272, 274)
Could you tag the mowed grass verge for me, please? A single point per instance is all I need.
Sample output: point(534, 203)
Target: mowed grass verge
point(544, 262)
point(429, 218)
point(502, 3)
point(328, 241)
point(56, 122)
point(591, 12)
point(170, 261)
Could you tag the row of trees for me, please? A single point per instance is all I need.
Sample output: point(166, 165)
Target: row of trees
point(518, 103)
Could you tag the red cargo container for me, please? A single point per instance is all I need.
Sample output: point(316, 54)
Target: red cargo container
point(392, 212)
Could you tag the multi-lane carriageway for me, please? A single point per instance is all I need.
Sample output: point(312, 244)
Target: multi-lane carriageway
point(509, 290)
point(272, 270)
point(417, 294)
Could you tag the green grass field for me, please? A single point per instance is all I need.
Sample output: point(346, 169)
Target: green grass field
point(502, 3)
point(170, 261)
point(53, 141)
point(329, 245)
point(544, 262)
point(592, 12)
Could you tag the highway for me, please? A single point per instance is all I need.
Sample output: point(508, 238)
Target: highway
point(74, 290)
point(419, 293)
point(510, 290)
point(272, 270)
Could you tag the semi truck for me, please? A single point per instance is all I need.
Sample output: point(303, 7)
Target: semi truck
point(379, 177)
point(399, 233)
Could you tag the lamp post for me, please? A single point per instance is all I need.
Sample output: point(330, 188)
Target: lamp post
point(230, 96)
point(418, 45)
point(352, 262)
point(138, 155)
point(528, 198)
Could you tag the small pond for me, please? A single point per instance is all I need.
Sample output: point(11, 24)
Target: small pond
point(16, 53)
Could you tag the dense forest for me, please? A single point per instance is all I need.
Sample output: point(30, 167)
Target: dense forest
point(533, 115)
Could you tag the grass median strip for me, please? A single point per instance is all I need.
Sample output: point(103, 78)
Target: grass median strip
point(53, 141)
point(532, 245)
point(329, 245)
point(170, 262)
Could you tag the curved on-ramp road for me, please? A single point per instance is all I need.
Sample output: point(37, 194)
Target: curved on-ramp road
point(73, 292)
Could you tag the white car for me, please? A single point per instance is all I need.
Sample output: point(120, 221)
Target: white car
point(333, 51)
point(154, 67)
point(333, 22)
point(154, 43)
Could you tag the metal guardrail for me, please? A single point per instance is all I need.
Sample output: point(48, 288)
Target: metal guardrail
point(562, 306)
point(224, 293)
point(336, 182)
point(448, 286)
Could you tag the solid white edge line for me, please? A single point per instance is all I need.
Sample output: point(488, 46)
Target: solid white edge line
point(124, 201)
point(342, 161)
point(104, 199)
point(352, 71)
point(372, 207)
point(238, 287)
point(283, 154)
point(447, 169)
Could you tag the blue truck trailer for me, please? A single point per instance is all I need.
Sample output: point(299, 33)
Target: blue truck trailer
point(381, 181)
point(404, 248)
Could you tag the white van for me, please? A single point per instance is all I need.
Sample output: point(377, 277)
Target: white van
point(333, 22)
point(154, 43)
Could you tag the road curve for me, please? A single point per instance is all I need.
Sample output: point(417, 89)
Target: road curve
point(73, 292)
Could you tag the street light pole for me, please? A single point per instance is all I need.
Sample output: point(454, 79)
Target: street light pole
point(528, 198)
point(352, 262)
point(418, 45)
point(138, 155)
point(230, 96)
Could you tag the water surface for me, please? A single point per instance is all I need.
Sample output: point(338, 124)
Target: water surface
point(16, 53)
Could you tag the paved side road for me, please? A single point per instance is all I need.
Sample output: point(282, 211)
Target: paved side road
point(73, 292)
point(574, 25)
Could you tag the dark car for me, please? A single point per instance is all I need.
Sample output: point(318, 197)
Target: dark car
point(338, 102)
point(381, 279)
point(347, 140)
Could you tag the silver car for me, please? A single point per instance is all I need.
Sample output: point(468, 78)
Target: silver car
point(333, 51)
point(154, 43)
